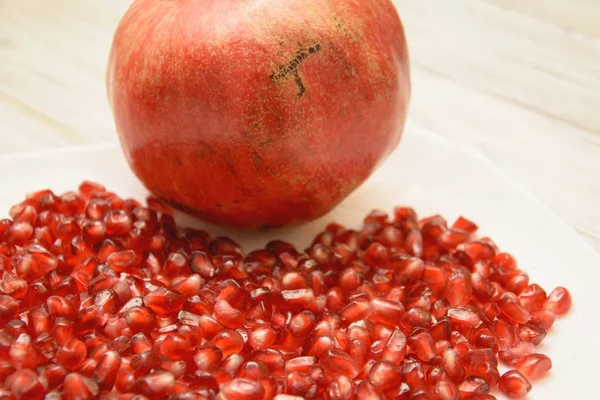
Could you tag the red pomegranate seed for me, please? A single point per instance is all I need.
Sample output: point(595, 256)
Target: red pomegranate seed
point(354, 311)
point(106, 371)
point(482, 288)
point(253, 370)
point(510, 307)
point(385, 311)
point(534, 366)
point(452, 365)
point(300, 384)
point(71, 354)
point(463, 317)
point(367, 391)
point(473, 386)
point(156, 384)
point(532, 298)
point(163, 301)
point(446, 390)
point(174, 346)
point(422, 344)
point(122, 261)
point(340, 363)
point(341, 388)
point(54, 375)
point(25, 384)
point(383, 375)
point(465, 225)
point(242, 389)
point(512, 354)
point(514, 384)
point(542, 318)
point(9, 308)
point(77, 386)
point(228, 316)
point(272, 358)
point(413, 375)
point(228, 341)
point(531, 333)
point(559, 301)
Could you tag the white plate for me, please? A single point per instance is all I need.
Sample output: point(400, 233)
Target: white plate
point(430, 174)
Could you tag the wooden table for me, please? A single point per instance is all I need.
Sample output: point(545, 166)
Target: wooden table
point(520, 80)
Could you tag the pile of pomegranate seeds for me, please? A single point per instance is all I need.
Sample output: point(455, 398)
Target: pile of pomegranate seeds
point(103, 298)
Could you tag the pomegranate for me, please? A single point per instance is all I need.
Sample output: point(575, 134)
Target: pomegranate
point(258, 113)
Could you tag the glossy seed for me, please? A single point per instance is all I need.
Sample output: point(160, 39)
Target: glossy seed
point(514, 385)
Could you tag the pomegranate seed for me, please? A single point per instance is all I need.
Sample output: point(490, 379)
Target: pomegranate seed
point(25, 384)
point(354, 311)
point(228, 341)
point(542, 318)
point(534, 366)
point(367, 391)
point(446, 390)
point(9, 308)
point(71, 354)
point(463, 317)
point(465, 225)
point(341, 388)
point(300, 384)
point(76, 386)
point(512, 354)
point(482, 288)
point(228, 316)
point(459, 288)
point(122, 261)
point(395, 348)
point(385, 311)
point(531, 333)
point(423, 346)
point(174, 346)
point(510, 307)
point(413, 375)
point(559, 301)
point(514, 384)
point(106, 371)
point(383, 375)
point(242, 389)
point(156, 384)
point(417, 316)
point(163, 301)
point(230, 365)
point(532, 298)
point(473, 386)
point(340, 363)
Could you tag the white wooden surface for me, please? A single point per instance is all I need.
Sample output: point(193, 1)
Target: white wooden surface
point(518, 79)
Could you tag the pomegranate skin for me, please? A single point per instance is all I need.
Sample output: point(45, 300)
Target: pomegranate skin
point(258, 113)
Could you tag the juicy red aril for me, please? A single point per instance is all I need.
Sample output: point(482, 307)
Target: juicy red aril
point(514, 384)
point(531, 333)
point(103, 297)
point(559, 301)
point(512, 354)
point(510, 307)
point(383, 375)
point(473, 386)
point(534, 366)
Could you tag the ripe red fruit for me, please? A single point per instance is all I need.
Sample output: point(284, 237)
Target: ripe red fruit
point(318, 102)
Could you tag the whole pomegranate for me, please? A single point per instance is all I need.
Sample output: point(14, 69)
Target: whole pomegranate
point(258, 113)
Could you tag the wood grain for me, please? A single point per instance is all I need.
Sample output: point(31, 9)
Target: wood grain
point(520, 80)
